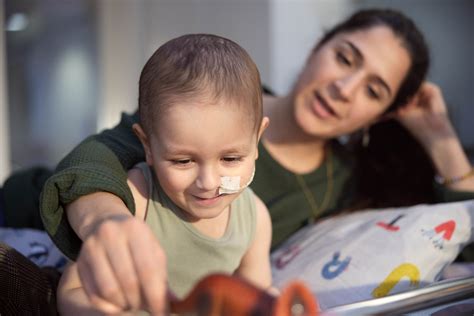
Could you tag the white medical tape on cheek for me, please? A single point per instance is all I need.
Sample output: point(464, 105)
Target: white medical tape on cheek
point(231, 184)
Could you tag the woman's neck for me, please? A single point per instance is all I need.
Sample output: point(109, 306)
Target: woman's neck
point(286, 142)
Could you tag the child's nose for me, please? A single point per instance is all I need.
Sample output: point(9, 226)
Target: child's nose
point(208, 179)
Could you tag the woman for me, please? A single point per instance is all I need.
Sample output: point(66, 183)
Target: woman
point(367, 70)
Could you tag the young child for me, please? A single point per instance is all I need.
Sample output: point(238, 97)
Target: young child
point(200, 108)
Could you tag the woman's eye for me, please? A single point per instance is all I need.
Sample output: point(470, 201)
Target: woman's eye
point(372, 93)
point(342, 58)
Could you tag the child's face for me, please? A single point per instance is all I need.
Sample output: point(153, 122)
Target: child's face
point(194, 146)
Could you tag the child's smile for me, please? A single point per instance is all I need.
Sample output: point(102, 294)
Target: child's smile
point(194, 146)
point(210, 201)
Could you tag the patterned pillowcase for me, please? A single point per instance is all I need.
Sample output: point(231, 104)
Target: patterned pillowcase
point(374, 253)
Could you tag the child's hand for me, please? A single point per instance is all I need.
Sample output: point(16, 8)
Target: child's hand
point(122, 265)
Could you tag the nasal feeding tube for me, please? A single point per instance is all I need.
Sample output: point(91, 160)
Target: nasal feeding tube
point(231, 184)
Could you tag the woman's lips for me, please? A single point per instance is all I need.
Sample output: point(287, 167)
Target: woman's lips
point(322, 108)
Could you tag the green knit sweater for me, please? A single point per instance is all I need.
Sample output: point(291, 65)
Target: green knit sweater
point(100, 163)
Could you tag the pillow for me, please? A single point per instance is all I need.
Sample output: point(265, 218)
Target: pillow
point(374, 253)
point(34, 244)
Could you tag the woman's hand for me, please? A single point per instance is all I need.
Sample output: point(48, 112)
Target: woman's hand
point(426, 116)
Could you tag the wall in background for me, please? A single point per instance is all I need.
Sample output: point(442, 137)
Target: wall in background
point(75, 68)
point(52, 78)
point(5, 162)
point(279, 35)
point(131, 31)
point(295, 27)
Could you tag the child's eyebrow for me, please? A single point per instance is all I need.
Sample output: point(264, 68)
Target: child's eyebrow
point(240, 148)
point(172, 149)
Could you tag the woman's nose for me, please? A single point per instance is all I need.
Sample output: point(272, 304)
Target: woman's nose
point(346, 87)
point(208, 178)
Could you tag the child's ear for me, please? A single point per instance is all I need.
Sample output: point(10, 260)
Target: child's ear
point(262, 128)
point(138, 130)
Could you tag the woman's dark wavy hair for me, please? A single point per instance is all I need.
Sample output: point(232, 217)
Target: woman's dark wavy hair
point(393, 170)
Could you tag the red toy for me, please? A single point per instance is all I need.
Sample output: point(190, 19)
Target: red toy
point(224, 295)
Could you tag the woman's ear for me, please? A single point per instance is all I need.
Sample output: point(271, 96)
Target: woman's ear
point(409, 106)
point(262, 128)
point(385, 117)
point(138, 130)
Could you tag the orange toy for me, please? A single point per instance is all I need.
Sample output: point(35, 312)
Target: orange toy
point(224, 295)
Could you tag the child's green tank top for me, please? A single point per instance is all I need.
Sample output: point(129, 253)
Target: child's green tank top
point(190, 254)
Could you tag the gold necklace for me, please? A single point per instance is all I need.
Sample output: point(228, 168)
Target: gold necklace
point(315, 209)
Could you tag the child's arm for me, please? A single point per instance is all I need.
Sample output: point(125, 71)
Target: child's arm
point(72, 299)
point(255, 265)
point(121, 261)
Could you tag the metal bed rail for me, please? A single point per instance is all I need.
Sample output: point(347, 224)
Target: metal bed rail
point(441, 293)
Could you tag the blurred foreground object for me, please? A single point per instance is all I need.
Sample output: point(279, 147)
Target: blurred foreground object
point(220, 294)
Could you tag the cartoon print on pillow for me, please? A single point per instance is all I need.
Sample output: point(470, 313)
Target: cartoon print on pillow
point(405, 270)
point(440, 234)
point(374, 253)
point(391, 226)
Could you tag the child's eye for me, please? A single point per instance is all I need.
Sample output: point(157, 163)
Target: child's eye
point(232, 159)
point(343, 59)
point(181, 162)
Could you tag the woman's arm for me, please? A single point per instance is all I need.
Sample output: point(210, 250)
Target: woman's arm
point(427, 119)
point(98, 164)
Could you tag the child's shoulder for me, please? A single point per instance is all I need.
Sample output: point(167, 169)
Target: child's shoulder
point(137, 176)
point(258, 209)
point(138, 184)
point(247, 199)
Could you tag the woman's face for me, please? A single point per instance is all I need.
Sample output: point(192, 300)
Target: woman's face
point(350, 81)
